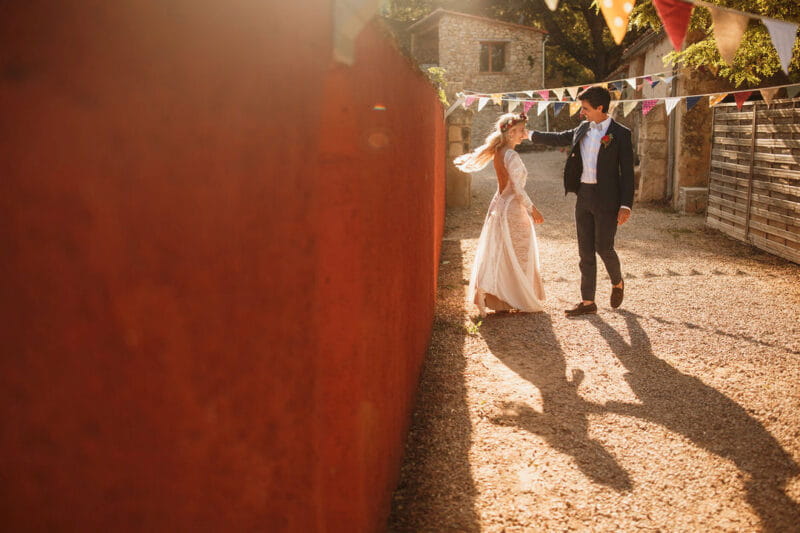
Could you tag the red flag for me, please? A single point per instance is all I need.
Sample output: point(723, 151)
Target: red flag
point(674, 14)
point(741, 98)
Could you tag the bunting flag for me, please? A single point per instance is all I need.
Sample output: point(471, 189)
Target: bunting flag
point(541, 106)
point(714, 99)
point(573, 92)
point(648, 105)
point(552, 4)
point(529, 93)
point(667, 79)
point(545, 94)
point(512, 105)
point(670, 103)
point(574, 107)
point(482, 102)
point(616, 13)
point(629, 106)
point(674, 14)
point(728, 30)
point(557, 107)
point(783, 34)
point(527, 106)
point(792, 91)
point(468, 101)
point(612, 106)
point(741, 98)
point(654, 83)
point(632, 82)
point(616, 95)
point(768, 95)
point(559, 93)
point(691, 101)
point(497, 98)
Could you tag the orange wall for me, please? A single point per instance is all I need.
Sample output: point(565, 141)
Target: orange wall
point(218, 266)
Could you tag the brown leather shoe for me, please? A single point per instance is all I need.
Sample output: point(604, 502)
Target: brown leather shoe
point(581, 309)
point(617, 293)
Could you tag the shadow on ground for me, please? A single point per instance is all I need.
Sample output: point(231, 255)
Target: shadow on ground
point(436, 490)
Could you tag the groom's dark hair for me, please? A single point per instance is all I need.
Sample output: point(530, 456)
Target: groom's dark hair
point(596, 96)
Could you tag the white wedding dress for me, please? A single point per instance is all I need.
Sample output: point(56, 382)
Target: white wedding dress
point(505, 274)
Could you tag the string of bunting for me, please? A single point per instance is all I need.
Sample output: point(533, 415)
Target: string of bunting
point(619, 85)
point(729, 27)
point(647, 104)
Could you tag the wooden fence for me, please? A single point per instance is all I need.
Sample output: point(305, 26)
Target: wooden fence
point(754, 178)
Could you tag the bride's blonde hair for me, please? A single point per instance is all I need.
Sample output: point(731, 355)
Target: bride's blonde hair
point(480, 156)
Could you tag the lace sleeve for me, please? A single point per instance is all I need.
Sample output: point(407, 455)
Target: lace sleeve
point(517, 174)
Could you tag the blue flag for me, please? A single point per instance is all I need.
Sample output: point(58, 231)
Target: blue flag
point(691, 101)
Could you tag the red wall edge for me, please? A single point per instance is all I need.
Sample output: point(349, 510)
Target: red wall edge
point(219, 258)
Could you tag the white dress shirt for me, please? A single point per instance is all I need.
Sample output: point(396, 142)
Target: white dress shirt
point(590, 148)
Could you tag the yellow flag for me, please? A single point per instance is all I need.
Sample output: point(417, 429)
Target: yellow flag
point(616, 13)
point(497, 98)
point(574, 107)
point(714, 99)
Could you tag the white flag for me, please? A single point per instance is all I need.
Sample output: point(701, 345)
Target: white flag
point(541, 106)
point(573, 92)
point(670, 103)
point(559, 93)
point(552, 4)
point(482, 102)
point(512, 105)
point(632, 82)
point(628, 106)
point(783, 34)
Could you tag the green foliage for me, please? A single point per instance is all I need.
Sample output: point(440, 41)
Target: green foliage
point(756, 58)
point(436, 75)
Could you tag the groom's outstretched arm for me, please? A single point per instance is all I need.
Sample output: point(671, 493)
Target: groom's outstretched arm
point(561, 138)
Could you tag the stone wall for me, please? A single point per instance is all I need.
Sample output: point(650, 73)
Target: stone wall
point(460, 40)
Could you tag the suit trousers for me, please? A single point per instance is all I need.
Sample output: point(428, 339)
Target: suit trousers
point(597, 227)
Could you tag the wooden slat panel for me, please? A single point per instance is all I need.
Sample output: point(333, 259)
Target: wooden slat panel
point(775, 248)
point(733, 128)
point(725, 228)
point(777, 113)
point(737, 219)
point(778, 173)
point(772, 215)
point(774, 143)
point(777, 202)
point(716, 200)
point(777, 128)
point(736, 115)
point(725, 190)
point(731, 166)
point(728, 179)
point(789, 159)
point(783, 234)
point(741, 155)
point(777, 187)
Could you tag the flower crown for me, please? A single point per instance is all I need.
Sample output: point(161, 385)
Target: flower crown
point(522, 118)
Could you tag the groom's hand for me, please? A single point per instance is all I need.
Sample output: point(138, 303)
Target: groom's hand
point(623, 215)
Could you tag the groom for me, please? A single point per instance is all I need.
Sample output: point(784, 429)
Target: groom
point(599, 170)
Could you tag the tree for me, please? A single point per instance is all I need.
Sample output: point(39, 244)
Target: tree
point(578, 33)
point(756, 60)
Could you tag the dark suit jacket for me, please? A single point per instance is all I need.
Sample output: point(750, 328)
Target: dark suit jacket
point(614, 162)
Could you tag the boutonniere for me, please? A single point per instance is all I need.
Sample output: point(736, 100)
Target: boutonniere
point(606, 140)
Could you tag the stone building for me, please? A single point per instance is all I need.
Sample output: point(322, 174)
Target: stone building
point(477, 54)
point(673, 152)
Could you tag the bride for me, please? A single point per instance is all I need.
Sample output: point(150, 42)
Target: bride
point(505, 275)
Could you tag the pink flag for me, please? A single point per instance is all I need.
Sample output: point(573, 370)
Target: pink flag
point(468, 101)
point(526, 106)
point(647, 105)
point(545, 94)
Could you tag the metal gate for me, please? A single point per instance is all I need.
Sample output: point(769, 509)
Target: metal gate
point(754, 179)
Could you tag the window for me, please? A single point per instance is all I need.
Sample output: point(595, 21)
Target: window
point(493, 57)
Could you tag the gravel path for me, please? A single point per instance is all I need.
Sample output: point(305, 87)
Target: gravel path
point(678, 412)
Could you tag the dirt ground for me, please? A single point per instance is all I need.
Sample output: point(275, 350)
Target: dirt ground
point(678, 412)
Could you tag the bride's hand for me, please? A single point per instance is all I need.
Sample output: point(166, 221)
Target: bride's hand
point(537, 216)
